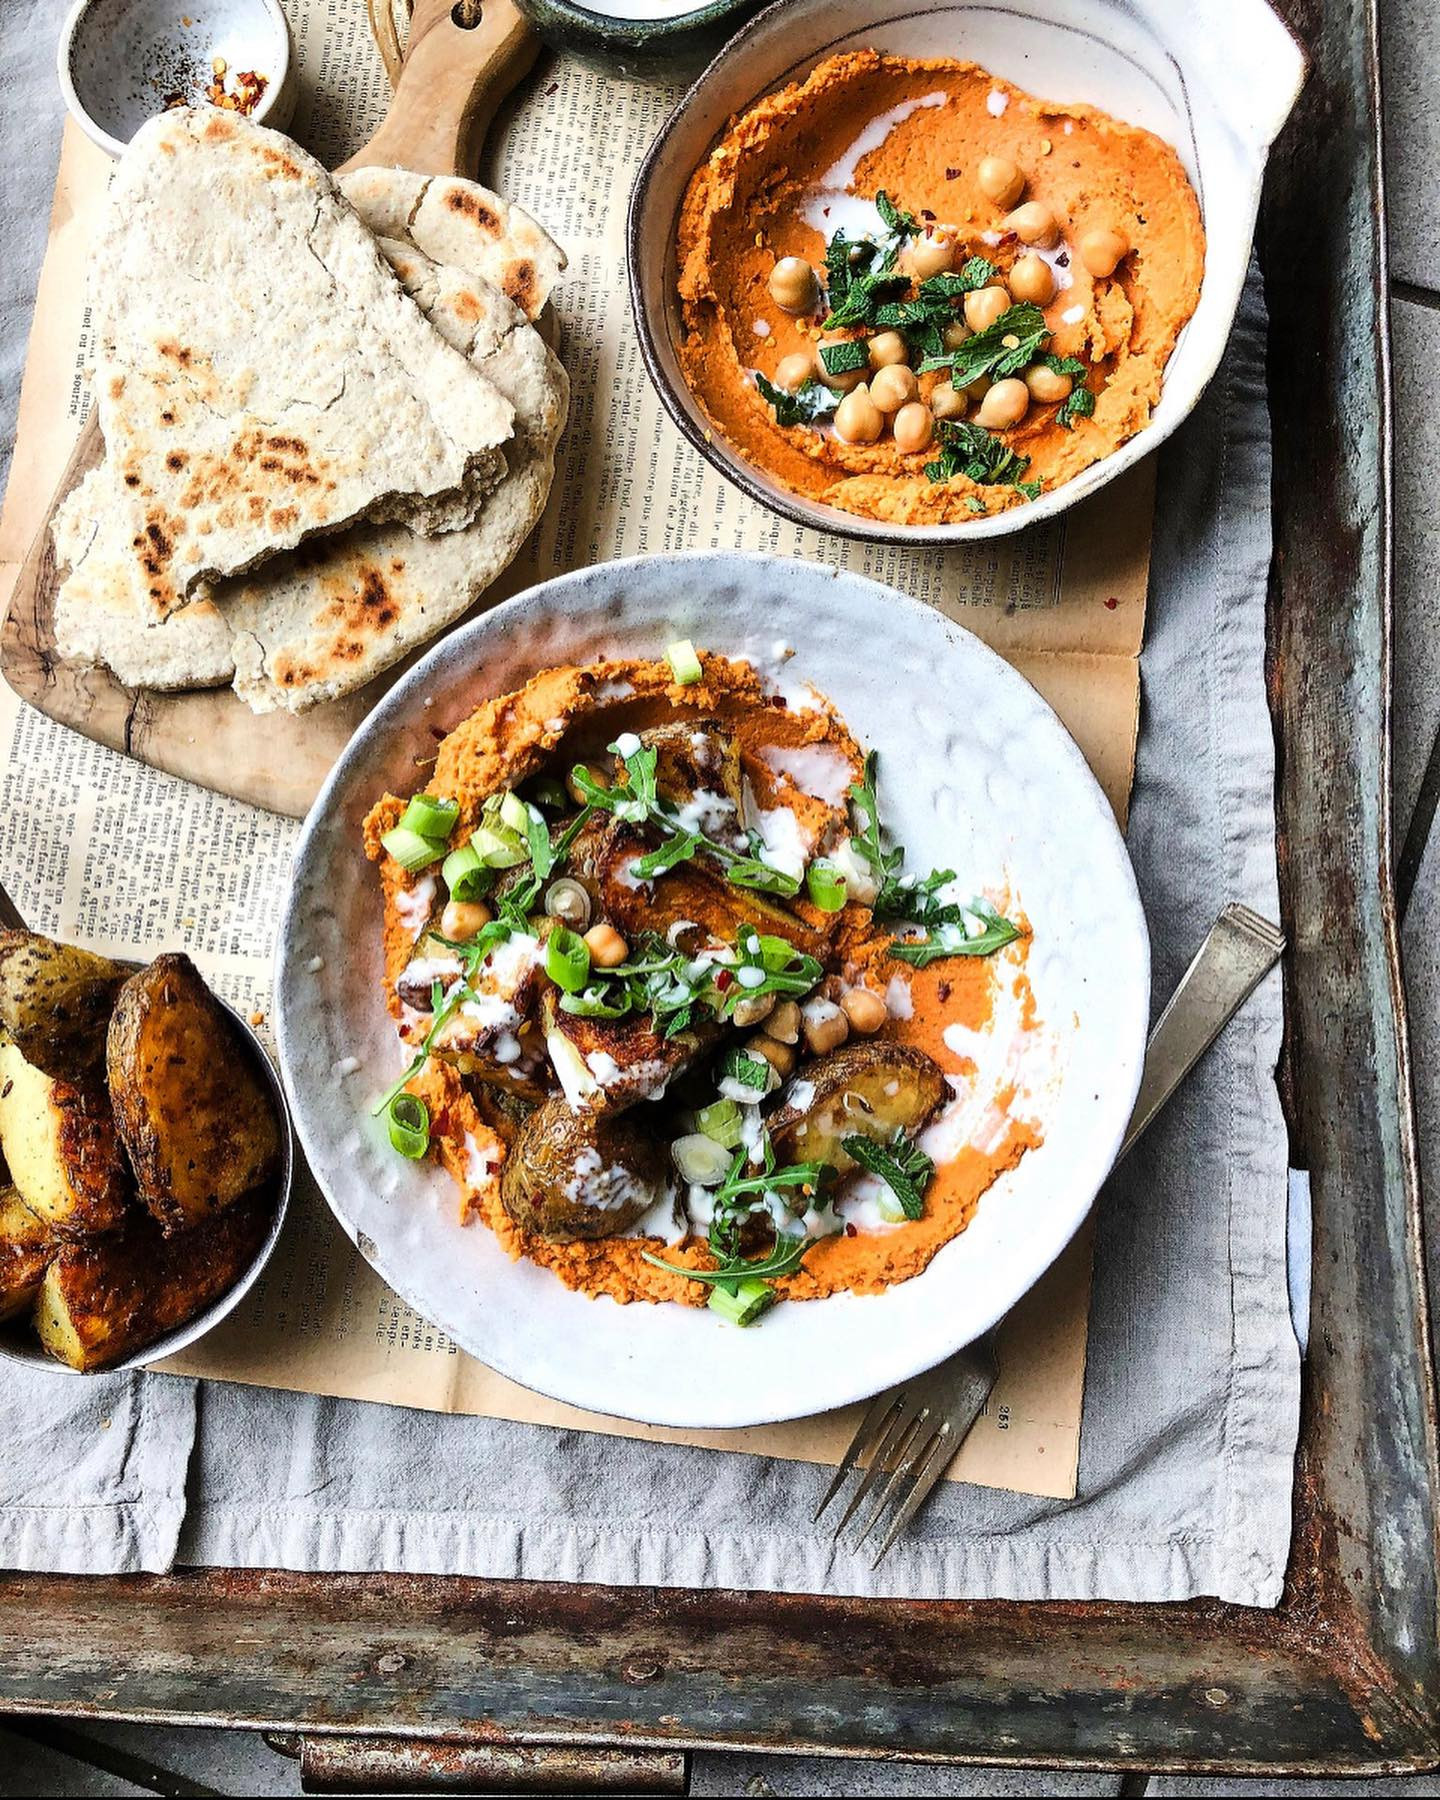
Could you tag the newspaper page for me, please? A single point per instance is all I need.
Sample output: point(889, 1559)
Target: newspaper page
point(102, 850)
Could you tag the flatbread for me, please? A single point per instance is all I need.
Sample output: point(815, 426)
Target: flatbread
point(462, 225)
point(261, 376)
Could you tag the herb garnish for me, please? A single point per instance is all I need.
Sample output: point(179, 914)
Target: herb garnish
point(951, 939)
point(861, 275)
point(970, 450)
point(1079, 405)
point(676, 988)
point(811, 401)
point(1011, 344)
point(903, 1167)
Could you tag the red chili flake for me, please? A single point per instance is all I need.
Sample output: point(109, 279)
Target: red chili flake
point(851, 1231)
point(925, 213)
point(1062, 261)
point(1007, 237)
point(778, 700)
point(942, 992)
point(723, 978)
point(952, 174)
point(1112, 603)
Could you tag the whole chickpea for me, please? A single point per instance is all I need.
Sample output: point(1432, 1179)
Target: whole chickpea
point(985, 305)
point(947, 402)
point(955, 334)
point(1000, 180)
point(844, 384)
point(1046, 386)
point(892, 387)
point(888, 348)
point(795, 370)
point(463, 919)
point(865, 1010)
point(1034, 223)
point(793, 286)
point(858, 420)
point(606, 946)
point(1005, 405)
point(930, 255)
point(1033, 279)
point(1102, 251)
point(781, 1057)
point(978, 388)
point(914, 427)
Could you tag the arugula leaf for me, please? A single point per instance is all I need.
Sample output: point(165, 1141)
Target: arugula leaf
point(842, 358)
point(900, 224)
point(903, 1167)
point(751, 872)
point(951, 940)
point(811, 401)
point(1079, 405)
point(673, 851)
point(784, 1259)
point(970, 450)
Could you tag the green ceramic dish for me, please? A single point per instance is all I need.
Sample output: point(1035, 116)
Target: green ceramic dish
point(647, 40)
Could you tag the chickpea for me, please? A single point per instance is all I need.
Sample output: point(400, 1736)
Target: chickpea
point(1000, 180)
point(948, 402)
point(1005, 405)
point(844, 384)
point(985, 305)
point(865, 1010)
point(795, 370)
point(914, 427)
point(781, 1057)
point(1102, 251)
point(601, 778)
point(793, 286)
point(1046, 386)
point(1034, 223)
point(825, 1026)
point(893, 387)
point(858, 420)
point(955, 334)
point(888, 348)
point(463, 919)
point(1033, 279)
point(930, 255)
point(753, 1012)
point(978, 388)
point(784, 1025)
point(606, 946)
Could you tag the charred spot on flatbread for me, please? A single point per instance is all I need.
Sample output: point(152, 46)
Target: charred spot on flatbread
point(522, 285)
point(469, 205)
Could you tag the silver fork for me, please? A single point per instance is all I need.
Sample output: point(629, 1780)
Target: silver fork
point(910, 1433)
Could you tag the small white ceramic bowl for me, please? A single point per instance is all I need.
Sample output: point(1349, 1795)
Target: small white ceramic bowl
point(1216, 81)
point(123, 61)
point(18, 1342)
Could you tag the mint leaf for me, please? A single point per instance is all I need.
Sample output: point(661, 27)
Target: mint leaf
point(811, 401)
point(842, 358)
point(1080, 405)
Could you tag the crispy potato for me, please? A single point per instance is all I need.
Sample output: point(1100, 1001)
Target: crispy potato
point(567, 1177)
point(693, 760)
point(106, 1298)
point(193, 1111)
point(26, 1249)
point(62, 1147)
point(502, 1109)
point(55, 1003)
point(605, 1065)
point(873, 1090)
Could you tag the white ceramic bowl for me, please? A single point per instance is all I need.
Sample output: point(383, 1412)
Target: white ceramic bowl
point(1216, 81)
point(976, 774)
point(19, 1344)
point(120, 61)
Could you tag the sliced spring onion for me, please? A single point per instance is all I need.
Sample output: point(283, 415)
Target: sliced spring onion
point(515, 813)
point(826, 885)
point(408, 1118)
point(684, 663)
point(500, 849)
point(465, 874)
point(410, 850)
point(567, 959)
point(722, 1122)
point(429, 817)
point(745, 1305)
point(700, 1159)
point(889, 1208)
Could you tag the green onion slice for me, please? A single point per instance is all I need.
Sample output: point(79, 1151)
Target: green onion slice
point(411, 850)
point(408, 1118)
point(721, 1121)
point(515, 813)
point(567, 959)
point(684, 663)
point(825, 885)
point(745, 1305)
point(500, 849)
point(465, 873)
point(428, 817)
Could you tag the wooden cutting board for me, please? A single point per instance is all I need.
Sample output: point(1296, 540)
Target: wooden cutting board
point(452, 81)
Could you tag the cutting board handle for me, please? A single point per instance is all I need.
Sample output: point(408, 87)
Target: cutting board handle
point(452, 81)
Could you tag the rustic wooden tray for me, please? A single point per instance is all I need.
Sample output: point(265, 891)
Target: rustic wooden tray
point(392, 1681)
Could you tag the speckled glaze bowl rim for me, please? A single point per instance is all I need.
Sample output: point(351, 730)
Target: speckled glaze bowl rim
point(815, 515)
point(32, 1355)
point(114, 146)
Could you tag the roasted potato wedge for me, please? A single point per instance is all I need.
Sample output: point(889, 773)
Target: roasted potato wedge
point(106, 1298)
point(55, 1003)
point(697, 769)
point(873, 1090)
point(26, 1249)
point(62, 1147)
point(605, 1065)
point(193, 1111)
point(568, 1178)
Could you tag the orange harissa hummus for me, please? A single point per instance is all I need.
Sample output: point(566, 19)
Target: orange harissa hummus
point(1089, 222)
point(625, 1063)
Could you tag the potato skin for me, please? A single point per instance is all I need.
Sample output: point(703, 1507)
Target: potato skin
point(685, 767)
point(812, 1132)
point(569, 1177)
point(62, 1147)
point(55, 1003)
point(645, 1063)
point(26, 1250)
point(106, 1298)
point(197, 1120)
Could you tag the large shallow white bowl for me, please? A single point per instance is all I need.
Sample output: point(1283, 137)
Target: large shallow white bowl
point(976, 774)
point(1216, 80)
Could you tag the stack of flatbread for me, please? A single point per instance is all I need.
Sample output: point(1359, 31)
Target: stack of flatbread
point(330, 421)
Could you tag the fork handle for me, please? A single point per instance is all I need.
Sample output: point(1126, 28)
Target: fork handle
point(1240, 949)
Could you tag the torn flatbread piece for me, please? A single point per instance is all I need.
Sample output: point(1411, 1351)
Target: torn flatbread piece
point(261, 376)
